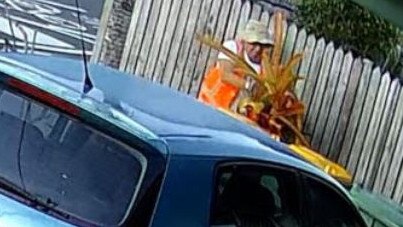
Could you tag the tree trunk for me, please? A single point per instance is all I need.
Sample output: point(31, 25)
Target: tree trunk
point(114, 26)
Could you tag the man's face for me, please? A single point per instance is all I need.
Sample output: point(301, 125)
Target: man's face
point(255, 50)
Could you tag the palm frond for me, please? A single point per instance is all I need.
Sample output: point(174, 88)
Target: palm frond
point(294, 60)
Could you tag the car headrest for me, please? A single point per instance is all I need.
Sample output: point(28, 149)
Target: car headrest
point(247, 196)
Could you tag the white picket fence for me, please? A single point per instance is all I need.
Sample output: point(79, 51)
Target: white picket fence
point(354, 112)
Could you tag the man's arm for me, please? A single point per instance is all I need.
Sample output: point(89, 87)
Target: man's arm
point(229, 75)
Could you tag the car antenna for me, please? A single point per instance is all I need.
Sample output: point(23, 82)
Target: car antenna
point(88, 85)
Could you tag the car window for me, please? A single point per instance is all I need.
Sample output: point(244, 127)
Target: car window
point(82, 171)
point(256, 196)
point(11, 112)
point(329, 208)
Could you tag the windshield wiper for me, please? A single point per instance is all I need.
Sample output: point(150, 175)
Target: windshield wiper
point(44, 205)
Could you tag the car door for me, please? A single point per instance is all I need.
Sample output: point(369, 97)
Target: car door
point(256, 194)
point(328, 206)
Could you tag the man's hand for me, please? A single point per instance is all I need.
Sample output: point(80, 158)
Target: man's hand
point(238, 71)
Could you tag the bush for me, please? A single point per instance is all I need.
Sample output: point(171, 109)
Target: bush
point(354, 28)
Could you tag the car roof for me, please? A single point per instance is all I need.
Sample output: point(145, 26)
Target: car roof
point(234, 146)
point(158, 108)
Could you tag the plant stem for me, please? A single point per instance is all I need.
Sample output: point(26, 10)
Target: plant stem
point(300, 136)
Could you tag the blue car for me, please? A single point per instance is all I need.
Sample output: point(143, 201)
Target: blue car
point(114, 150)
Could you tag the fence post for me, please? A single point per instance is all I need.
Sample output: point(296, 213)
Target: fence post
point(102, 30)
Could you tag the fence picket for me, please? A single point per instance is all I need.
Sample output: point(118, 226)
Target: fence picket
point(337, 102)
point(359, 138)
point(317, 93)
point(233, 20)
point(185, 47)
point(200, 66)
point(220, 29)
point(394, 174)
point(271, 26)
point(265, 18)
point(313, 73)
point(177, 42)
point(289, 43)
point(157, 40)
point(299, 47)
point(356, 112)
point(166, 42)
point(329, 92)
point(101, 34)
point(196, 47)
point(384, 129)
point(138, 36)
point(256, 11)
point(346, 109)
point(126, 55)
point(149, 30)
point(385, 165)
point(398, 190)
point(372, 131)
point(244, 16)
point(303, 70)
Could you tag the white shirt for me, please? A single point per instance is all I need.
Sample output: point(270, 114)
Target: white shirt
point(232, 46)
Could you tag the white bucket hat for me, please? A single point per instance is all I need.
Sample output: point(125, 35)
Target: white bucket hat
point(256, 32)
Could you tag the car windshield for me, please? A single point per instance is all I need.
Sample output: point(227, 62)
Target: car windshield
point(83, 172)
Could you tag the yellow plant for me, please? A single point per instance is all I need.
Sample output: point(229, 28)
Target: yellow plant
point(273, 104)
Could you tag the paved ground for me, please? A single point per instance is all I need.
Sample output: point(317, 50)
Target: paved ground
point(49, 26)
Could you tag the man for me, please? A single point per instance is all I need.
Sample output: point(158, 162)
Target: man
point(222, 85)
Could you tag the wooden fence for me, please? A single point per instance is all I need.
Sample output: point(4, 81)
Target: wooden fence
point(354, 111)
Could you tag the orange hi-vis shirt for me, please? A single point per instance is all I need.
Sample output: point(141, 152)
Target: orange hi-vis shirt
point(214, 91)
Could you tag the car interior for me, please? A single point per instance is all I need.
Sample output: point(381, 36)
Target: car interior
point(254, 198)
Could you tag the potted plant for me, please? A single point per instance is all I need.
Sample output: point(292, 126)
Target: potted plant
point(273, 105)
